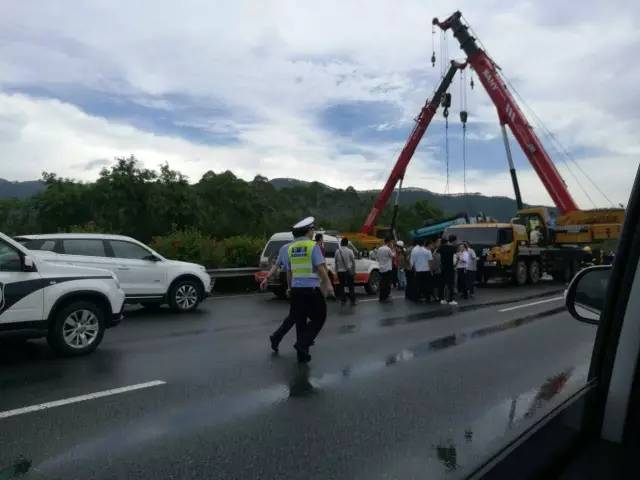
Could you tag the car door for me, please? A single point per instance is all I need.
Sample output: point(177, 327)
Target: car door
point(141, 273)
point(21, 292)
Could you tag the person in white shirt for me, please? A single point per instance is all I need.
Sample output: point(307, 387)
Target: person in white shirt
point(345, 262)
point(420, 262)
point(462, 262)
point(385, 260)
point(472, 269)
point(535, 236)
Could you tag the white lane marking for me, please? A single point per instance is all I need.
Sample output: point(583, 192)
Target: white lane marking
point(554, 299)
point(80, 398)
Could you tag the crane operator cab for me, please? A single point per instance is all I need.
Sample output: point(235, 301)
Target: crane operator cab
point(538, 222)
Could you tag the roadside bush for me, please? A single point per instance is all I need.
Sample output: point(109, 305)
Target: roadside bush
point(89, 227)
point(242, 251)
point(191, 245)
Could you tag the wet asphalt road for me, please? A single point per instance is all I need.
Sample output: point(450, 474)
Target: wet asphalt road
point(393, 391)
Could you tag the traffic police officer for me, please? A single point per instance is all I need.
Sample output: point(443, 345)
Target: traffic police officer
point(307, 273)
point(289, 321)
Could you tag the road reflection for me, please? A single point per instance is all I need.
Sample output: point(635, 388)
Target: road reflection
point(506, 417)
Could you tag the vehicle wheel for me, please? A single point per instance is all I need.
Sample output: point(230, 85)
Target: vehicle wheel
point(535, 272)
point(520, 273)
point(373, 285)
point(184, 296)
point(77, 329)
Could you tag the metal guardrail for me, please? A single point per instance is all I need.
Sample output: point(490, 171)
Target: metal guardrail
point(232, 272)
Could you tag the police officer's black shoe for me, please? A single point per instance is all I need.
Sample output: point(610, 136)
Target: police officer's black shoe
point(274, 343)
point(303, 357)
point(303, 354)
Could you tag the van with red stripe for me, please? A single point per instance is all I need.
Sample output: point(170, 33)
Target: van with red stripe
point(367, 271)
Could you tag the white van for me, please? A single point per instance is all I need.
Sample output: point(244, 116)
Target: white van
point(367, 271)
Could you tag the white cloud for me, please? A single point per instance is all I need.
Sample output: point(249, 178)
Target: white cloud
point(281, 62)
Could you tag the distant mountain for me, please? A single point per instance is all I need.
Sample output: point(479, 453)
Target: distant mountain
point(280, 183)
point(20, 189)
point(502, 208)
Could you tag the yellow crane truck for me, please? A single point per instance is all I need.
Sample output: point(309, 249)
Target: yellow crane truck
point(565, 245)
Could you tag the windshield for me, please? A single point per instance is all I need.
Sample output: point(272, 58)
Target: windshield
point(210, 132)
point(474, 235)
point(273, 247)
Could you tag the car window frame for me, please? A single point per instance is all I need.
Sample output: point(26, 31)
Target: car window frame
point(20, 258)
point(112, 252)
point(62, 251)
point(607, 343)
point(591, 399)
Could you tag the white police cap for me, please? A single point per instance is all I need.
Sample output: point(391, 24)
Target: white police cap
point(307, 223)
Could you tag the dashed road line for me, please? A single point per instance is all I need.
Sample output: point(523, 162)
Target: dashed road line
point(80, 398)
point(525, 305)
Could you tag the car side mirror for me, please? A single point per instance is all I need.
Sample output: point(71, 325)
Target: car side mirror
point(28, 265)
point(152, 258)
point(585, 297)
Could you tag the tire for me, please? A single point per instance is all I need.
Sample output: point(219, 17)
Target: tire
point(373, 284)
point(184, 295)
point(520, 273)
point(77, 329)
point(535, 272)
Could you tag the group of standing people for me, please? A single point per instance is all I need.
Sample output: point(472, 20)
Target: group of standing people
point(428, 270)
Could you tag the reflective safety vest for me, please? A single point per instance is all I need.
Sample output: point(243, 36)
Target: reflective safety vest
point(300, 259)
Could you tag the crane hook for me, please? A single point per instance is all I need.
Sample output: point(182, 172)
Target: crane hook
point(433, 59)
point(463, 116)
point(446, 103)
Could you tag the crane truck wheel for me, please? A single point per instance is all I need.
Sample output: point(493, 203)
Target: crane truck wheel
point(520, 273)
point(535, 272)
point(373, 285)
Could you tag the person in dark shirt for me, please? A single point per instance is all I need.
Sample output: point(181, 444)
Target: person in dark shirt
point(447, 252)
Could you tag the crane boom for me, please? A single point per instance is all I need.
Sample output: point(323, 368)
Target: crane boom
point(422, 122)
point(510, 113)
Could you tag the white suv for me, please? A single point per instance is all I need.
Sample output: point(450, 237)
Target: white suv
point(71, 306)
point(146, 276)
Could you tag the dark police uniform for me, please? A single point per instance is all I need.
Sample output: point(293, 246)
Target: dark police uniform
point(307, 300)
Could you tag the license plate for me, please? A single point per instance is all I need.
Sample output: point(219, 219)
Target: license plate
point(490, 264)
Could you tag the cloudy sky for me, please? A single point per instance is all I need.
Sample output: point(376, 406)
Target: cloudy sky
point(321, 91)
